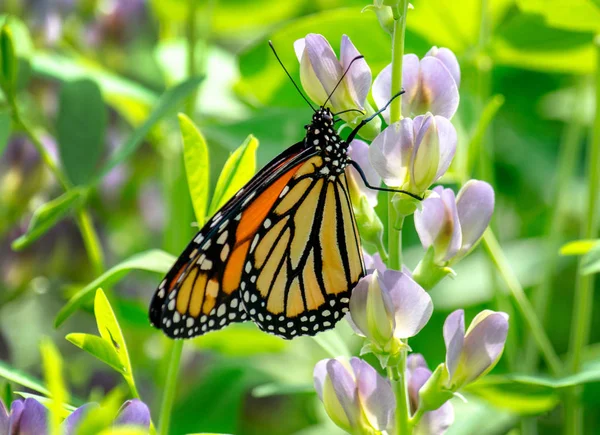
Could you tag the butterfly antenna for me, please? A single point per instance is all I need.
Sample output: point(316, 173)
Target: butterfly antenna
point(362, 123)
point(290, 76)
point(349, 110)
point(342, 78)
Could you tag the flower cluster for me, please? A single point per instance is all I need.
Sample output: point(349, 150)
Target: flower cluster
point(388, 306)
point(29, 416)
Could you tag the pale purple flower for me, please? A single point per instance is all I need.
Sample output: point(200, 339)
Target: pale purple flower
point(386, 307)
point(433, 422)
point(132, 413)
point(359, 152)
point(431, 84)
point(321, 71)
point(26, 417)
point(471, 355)
point(453, 225)
point(413, 154)
point(354, 395)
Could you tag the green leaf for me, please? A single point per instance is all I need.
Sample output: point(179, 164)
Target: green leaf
point(240, 340)
point(48, 215)
point(53, 366)
point(8, 62)
point(4, 129)
point(18, 377)
point(110, 331)
point(579, 247)
point(164, 106)
point(197, 167)
point(476, 143)
point(98, 347)
point(591, 261)
point(529, 394)
point(153, 261)
point(580, 15)
point(238, 170)
point(81, 127)
point(130, 99)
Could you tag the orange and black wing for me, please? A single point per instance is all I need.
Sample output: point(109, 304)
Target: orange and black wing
point(201, 291)
point(305, 258)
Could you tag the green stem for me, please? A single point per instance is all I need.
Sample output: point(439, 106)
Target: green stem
point(394, 237)
point(397, 57)
point(570, 149)
point(84, 221)
point(584, 291)
point(164, 419)
point(397, 375)
point(523, 305)
point(191, 51)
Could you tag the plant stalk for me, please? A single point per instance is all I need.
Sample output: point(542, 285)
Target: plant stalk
point(164, 419)
point(397, 376)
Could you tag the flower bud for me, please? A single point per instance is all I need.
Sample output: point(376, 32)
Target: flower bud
point(451, 225)
point(440, 416)
point(355, 396)
point(26, 417)
point(431, 84)
point(471, 355)
point(321, 71)
point(386, 307)
point(412, 154)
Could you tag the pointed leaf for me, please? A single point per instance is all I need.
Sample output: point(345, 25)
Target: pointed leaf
point(153, 261)
point(579, 247)
point(238, 170)
point(98, 347)
point(18, 377)
point(81, 126)
point(48, 215)
point(109, 329)
point(197, 168)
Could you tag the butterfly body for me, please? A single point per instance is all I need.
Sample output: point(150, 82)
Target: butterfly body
point(283, 252)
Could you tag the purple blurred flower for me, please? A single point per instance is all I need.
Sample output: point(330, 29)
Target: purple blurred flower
point(453, 226)
point(26, 417)
point(320, 72)
point(132, 413)
point(471, 355)
point(355, 396)
point(431, 84)
point(432, 422)
point(412, 154)
point(387, 306)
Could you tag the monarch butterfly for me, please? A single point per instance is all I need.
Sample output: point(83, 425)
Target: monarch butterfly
point(284, 251)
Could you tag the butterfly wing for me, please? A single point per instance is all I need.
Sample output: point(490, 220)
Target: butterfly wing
point(305, 258)
point(201, 291)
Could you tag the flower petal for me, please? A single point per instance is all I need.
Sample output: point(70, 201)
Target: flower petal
point(359, 152)
point(34, 419)
point(299, 46)
point(430, 220)
point(412, 304)
point(411, 78)
point(475, 204)
point(344, 405)
point(414, 361)
point(484, 343)
point(390, 152)
point(438, 91)
point(14, 419)
point(373, 262)
point(319, 375)
point(69, 425)
point(358, 304)
point(310, 82)
point(448, 58)
point(447, 140)
point(375, 394)
point(324, 62)
point(382, 90)
point(358, 79)
point(133, 413)
point(436, 422)
point(3, 418)
point(454, 337)
point(426, 153)
point(451, 231)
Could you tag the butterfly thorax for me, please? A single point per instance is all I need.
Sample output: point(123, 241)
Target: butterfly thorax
point(321, 135)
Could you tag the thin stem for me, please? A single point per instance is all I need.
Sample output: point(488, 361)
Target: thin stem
point(164, 419)
point(524, 306)
point(397, 375)
point(395, 224)
point(84, 221)
point(397, 57)
point(570, 149)
point(584, 291)
point(191, 51)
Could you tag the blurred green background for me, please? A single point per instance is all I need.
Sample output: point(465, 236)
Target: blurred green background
point(524, 119)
